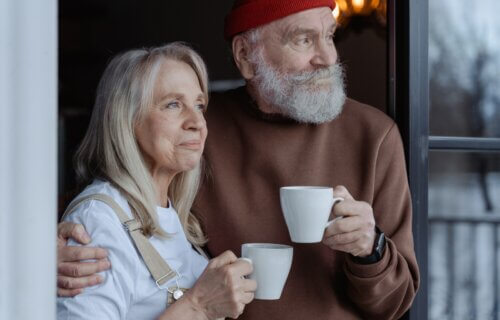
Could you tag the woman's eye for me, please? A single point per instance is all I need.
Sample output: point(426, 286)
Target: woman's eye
point(172, 105)
point(201, 107)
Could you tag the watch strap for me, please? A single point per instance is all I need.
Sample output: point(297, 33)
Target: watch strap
point(377, 252)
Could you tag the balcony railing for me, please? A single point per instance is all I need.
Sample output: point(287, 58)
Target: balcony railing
point(464, 266)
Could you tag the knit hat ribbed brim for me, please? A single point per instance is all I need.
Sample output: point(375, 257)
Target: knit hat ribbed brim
point(249, 14)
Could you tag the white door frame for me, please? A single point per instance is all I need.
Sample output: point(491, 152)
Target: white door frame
point(28, 158)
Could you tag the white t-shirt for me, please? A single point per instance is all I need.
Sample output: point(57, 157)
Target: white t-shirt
point(128, 290)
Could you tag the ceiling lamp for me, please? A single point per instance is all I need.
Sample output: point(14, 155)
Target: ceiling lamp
point(345, 9)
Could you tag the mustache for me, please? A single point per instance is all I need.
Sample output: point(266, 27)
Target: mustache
point(310, 77)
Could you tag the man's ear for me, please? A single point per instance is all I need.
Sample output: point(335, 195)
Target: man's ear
point(241, 50)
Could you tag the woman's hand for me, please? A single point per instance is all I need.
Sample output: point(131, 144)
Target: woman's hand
point(221, 291)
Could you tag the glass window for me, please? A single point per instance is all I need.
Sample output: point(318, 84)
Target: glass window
point(464, 184)
point(464, 229)
point(464, 68)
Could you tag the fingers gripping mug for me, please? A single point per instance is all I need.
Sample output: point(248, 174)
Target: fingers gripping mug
point(306, 211)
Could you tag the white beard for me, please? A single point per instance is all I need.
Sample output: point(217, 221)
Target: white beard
point(309, 97)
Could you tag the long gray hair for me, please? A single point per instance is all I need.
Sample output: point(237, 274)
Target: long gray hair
point(109, 150)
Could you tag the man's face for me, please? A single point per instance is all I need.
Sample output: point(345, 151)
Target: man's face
point(301, 42)
point(296, 73)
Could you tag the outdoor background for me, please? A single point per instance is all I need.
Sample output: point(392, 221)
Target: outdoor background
point(464, 188)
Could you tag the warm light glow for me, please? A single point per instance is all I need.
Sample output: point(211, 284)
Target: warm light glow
point(342, 5)
point(346, 9)
point(357, 5)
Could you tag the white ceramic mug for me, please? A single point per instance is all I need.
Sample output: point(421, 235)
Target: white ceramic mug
point(271, 265)
point(306, 211)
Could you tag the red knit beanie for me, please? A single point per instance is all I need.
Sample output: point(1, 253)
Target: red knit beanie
point(248, 14)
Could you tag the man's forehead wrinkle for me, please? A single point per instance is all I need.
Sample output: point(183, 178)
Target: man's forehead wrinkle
point(283, 29)
point(289, 27)
point(272, 30)
point(330, 25)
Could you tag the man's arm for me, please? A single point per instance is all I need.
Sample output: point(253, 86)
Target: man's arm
point(112, 298)
point(384, 289)
point(72, 274)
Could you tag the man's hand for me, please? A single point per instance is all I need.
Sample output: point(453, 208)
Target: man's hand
point(72, 274)
point(355, 232)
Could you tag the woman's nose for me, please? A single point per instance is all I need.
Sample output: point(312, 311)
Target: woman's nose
point(194, 119)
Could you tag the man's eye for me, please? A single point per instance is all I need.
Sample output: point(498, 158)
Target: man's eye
point(304, 41)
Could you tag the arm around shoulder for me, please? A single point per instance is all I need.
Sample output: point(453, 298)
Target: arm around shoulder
point(112, 297)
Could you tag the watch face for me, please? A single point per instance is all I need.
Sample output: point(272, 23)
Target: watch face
point(380, 244)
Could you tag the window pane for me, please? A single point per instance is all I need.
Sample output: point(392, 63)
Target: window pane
point(464, 68)
point(464, 230)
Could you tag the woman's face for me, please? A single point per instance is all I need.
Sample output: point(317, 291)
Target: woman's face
point(172, 133)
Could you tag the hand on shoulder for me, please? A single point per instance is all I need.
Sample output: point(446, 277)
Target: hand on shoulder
point(73, 275)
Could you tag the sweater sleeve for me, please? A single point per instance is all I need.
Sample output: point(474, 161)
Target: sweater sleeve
point(385, 290)
point(112, 298)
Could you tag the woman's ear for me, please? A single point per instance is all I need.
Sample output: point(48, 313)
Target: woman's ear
point(241, 50)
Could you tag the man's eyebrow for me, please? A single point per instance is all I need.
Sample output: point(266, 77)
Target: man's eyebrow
point(290, 33)
point(293, 32)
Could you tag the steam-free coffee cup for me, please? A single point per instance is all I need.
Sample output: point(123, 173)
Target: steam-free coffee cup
point(271, 265)
point(306, 211)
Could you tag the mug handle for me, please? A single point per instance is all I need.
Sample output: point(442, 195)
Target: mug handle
point(335, 201)
point(247, 260)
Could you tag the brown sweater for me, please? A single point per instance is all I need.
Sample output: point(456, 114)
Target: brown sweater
point(251, 155)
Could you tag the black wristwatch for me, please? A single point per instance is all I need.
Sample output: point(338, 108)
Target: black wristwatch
point(378, 250)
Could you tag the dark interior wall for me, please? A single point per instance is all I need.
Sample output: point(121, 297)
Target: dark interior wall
point(362, 48)
point(92, 31)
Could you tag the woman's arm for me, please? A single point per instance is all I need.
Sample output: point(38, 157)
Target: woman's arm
point(221, 291)
point(185, 308)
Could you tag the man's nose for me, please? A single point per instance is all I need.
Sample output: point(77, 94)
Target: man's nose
point(325, 55)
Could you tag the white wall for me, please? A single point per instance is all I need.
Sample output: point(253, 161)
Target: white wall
point(28, 137)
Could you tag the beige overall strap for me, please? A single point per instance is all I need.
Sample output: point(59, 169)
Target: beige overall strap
point(157, 266)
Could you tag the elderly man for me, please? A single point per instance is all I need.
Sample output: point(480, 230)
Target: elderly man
point(292, 125)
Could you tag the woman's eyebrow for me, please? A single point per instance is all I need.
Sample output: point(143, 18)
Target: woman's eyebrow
point(201, 97)
point(170, 95)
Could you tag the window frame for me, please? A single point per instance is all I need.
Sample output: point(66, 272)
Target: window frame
point(408, 97)
point(408, 105)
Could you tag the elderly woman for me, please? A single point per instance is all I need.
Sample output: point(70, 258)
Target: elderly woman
point(142, 150)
